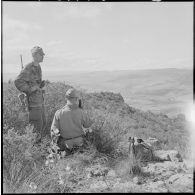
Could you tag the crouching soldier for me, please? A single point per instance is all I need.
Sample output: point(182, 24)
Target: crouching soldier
point(68, 123)
point(30, 82)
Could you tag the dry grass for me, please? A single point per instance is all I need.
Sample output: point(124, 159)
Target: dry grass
point(23, 164)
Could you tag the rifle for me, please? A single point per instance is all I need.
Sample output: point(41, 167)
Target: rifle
point(22, 96)
point(80, 104)
point(21, 62)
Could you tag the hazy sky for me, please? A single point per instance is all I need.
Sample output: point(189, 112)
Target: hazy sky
point(99, 36)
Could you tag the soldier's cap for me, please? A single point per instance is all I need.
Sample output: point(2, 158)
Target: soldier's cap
point(71, 93)
point(37, 49)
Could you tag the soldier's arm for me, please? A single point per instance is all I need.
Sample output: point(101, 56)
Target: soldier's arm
point(22, 81)
point(86, 120)
point(55, 125)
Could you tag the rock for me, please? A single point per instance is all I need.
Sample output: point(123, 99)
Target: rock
point(155, 179)
point(161, 155)
point(175, 156)
point(98, 186)
point(188, 165)
point(98, 171)
point(111, 173)
point(137, 180)
point(168, 155)
point(124, 187)
point(164, 170)
point(160, 183)
point(157, 187)
point(180, 183)
point(153, 142)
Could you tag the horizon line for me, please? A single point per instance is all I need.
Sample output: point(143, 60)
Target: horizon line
point(88, 71)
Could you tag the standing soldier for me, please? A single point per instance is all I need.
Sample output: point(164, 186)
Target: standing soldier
point(30, 82)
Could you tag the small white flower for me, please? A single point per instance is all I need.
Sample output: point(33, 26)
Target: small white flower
point(88, 175)
point(63, 154)
point(58, 157)
point(61, 181)
point(51, 161)
point(33, 186)
point(67, 168)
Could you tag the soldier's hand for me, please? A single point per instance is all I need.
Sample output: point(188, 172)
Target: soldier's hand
point(56, 132)
point(88, 130)
point(35, 88)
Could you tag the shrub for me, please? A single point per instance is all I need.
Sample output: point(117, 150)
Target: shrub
point(107, 131)
point(20, 157)
point(11, 108)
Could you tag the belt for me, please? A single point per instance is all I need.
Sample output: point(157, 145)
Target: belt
point(65, 139)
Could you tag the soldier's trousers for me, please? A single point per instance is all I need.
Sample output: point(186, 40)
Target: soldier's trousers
point(38, 119)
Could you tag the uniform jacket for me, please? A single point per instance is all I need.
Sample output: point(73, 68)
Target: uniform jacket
point(29, 77)
point(69, 121)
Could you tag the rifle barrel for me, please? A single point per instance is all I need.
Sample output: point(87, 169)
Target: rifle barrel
point(21, 61)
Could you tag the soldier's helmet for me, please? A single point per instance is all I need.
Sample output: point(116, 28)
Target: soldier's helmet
point(37, 49)
point(71, 93)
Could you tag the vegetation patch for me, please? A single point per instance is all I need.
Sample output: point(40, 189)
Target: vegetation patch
point(24, 163)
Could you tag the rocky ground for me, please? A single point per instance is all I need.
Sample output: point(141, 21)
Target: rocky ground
point(159, 177)
point(173, 175)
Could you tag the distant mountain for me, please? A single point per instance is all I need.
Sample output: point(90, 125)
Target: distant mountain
point(160, 90)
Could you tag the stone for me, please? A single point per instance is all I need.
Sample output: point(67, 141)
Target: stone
point(158, 186)
point(153, 142)
point(164, 170)
point(124, 187)
point(111, 173)
point(188, 165)
point(175, 156)
point(180, 183)
point(137, 180)
point(161, 155)
point(98, 171)
point(160, 183)
point(159, 189)
point(98, 186)
point(168, 155)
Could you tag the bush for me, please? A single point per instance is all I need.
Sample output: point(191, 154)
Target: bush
point(107, 131)
point(21, 157)
point(12, 109)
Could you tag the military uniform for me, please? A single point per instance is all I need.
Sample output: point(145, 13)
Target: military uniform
point(69, 121)
point(29, 81)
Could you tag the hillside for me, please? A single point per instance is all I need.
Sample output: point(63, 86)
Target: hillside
point(163, 90)
point(114, 121)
